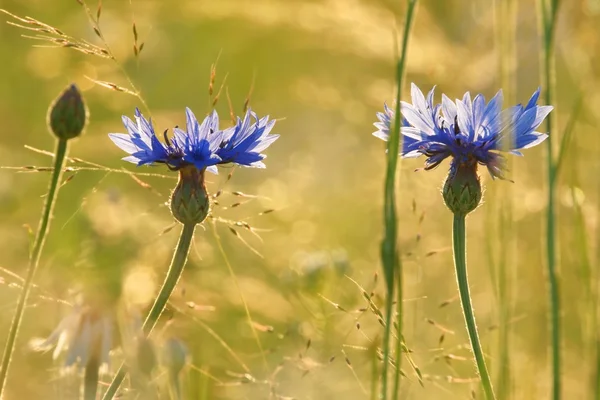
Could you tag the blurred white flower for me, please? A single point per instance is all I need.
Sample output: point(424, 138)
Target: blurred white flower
point(85, 335)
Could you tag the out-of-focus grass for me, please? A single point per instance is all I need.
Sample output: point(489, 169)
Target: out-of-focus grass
point(324, 68)
point(390, 254)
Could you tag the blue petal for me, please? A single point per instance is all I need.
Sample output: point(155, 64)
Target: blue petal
point(448, 109)
point(465, 118)
point(491, 112)
point(534, 98)
point(213, 169)
point(529, 140)
point(123, 142)
point(418, 120)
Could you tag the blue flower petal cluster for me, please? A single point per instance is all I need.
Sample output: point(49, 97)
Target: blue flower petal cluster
point(469, 131)
point(202, 145)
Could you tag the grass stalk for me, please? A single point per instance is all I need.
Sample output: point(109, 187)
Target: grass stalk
point(549, 10)
point(392, 267)
point(507, 266)
point(60, 156)
point(90, 379)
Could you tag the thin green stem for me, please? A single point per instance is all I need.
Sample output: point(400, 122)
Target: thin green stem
point(596, 384)
point(549, 13)
point(460, 263)
point(389, 246)
point(173, 275)
point(43, 228)
point(90, 379)
point(374, 372)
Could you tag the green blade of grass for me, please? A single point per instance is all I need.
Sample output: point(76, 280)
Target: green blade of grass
point(392, 268)
point(506, 266)
point(549, 13)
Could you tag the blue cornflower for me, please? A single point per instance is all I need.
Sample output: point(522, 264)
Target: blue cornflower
point(202, 145)
point(470, 132)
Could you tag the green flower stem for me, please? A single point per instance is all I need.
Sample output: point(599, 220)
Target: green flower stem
point(59, 160)
point(173, 275)
point(460, 263)
point(392, 267)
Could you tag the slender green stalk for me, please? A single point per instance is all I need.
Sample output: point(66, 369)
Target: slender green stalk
point(43, 228)
point(596, 311)
point(597, 371)
point(173, 275)
point(389, 251)
point(507, 263)
point(90, 379)
point(549, 13)
point(460, 263)
point(374, 373)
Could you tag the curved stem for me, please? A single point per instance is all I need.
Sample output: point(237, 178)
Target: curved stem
point(175, 270)
point(460, 263)
point(43, 228)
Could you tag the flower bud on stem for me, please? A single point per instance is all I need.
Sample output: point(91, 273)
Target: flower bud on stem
point(68, 114)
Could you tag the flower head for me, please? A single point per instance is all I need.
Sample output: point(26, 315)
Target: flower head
point(470, 131)
point(202, 145)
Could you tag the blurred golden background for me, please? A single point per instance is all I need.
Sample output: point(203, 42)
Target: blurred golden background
point(323, 68)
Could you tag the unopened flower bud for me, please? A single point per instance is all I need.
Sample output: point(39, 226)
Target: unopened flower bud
point(190, 202)
point(462, 189)
point(68, 114)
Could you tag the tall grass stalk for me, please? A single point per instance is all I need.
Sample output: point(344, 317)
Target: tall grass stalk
point(596, 309)
point(60, 155)
point(549, 12)
point(392, 267)
point(90, 379)
point(588, 274)
point(459, 244)
point(506, 26)
point(173, 275)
